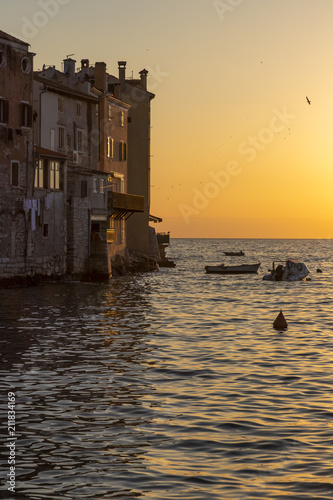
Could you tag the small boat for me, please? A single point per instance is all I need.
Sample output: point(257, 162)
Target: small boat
point(290, 270)
point(234, 254)
point(240, 269)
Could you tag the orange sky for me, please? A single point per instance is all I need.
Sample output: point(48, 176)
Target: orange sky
point(236, 149)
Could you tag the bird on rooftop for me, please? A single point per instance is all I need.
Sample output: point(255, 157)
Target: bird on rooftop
point(308, 100)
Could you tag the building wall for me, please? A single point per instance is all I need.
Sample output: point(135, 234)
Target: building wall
point(138, 164)
point(15, 146)
point(66, 102)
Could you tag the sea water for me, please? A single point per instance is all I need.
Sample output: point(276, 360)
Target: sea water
point(174, 384)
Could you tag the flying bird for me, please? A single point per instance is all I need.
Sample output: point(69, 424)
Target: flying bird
point(308, 100)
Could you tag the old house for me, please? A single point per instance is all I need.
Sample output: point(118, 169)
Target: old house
point(135, 93)
point(113, 157)
point(16, 160)
point(67, 135)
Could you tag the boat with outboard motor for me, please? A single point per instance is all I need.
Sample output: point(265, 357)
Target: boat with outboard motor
point(288, 270)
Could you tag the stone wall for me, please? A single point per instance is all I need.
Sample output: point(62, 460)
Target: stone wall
point(78, 244)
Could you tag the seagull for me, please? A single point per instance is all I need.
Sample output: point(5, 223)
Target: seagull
point(309, 102)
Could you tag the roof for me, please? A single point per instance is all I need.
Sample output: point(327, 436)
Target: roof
point(153, 218)
point(10, 38)
point(49, 152)
point(59, 87)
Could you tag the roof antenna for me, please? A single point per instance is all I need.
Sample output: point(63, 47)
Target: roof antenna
point(69, 55)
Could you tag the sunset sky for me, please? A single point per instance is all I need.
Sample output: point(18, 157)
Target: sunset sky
point(236, 149)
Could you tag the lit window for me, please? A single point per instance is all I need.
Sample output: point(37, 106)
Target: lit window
point(39, 174)
point(109, 112)
point(101, 185)
point(54, 175)
point(95, 185)
point(109, 151)
point(122, 116)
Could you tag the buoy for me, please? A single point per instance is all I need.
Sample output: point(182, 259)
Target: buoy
point(319, 270)
point(280, 322)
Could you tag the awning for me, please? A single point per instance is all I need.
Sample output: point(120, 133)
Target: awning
point(152, 218)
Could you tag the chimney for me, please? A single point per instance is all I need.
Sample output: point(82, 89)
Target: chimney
point(122, 70)
point(69, 66)
point(84, 63)
point(143, 75)
point(100, 76)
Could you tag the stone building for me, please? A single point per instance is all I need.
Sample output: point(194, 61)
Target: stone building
point(113, 157)
point(135, 93)
point(16, 157)
point(67, 128)
point(74, 167)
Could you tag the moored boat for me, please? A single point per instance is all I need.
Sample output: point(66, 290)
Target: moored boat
point(240, 269)
point(234, 254)
point(289, 270)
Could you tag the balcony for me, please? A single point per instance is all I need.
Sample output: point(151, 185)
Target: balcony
point(123, 205)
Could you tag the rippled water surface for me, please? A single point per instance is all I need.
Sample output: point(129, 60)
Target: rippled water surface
point(174, 385)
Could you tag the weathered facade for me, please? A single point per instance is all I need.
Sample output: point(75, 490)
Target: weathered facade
point(74, 168)
point(135, 93)
point(67, 125)
point(16, 162)
point(121, 202)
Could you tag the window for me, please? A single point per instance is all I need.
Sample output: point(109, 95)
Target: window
point(52, 142)
point(78, 108)
point(45, 230)
point(26, 65)
point(14, 173)
point(101, 185)
point(4, 111)
point(95, 185)
point(84, 189)
point(54, 175)
point(109, 112)
point(60, 104)
point(122, 119)
point(80, 140)
point(122, 151)
point(69, 142)
point(61, 137)
point(39, 174)
point(3, 59)
point(26, 114)
point(109, 152)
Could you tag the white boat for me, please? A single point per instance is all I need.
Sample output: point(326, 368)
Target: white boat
point(289, 270)
point(240, 269)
